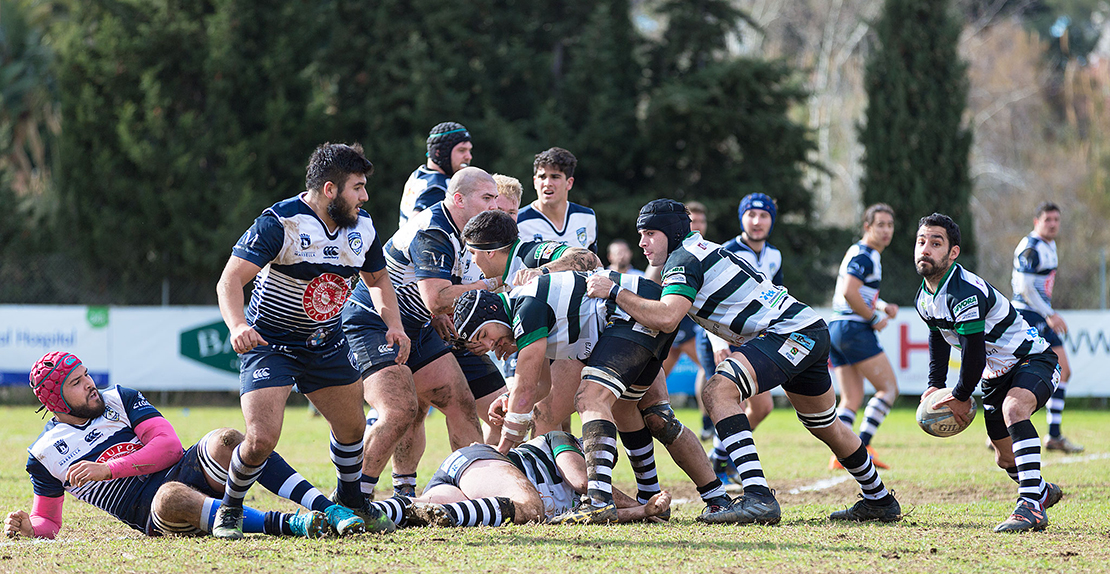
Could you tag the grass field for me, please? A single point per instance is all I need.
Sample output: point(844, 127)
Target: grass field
point(950, 489)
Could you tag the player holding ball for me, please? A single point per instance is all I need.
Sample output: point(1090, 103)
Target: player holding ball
point(1017, 370)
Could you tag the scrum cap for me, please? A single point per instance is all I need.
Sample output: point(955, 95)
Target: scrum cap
point(441, 140)
point(473, 309)
point(47, 377)
point(667, 216)
point(758, 201)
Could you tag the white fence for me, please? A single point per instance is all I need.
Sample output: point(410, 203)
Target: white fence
point(186, 348)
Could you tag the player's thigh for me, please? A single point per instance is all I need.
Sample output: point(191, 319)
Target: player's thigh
point(442, 494)
point(850, 382)
point(442, 383)
point(491, 478)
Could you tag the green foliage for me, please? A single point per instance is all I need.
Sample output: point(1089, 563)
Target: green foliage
point(916, 144)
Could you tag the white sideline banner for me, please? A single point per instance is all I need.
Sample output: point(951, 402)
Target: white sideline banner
point(186, 348)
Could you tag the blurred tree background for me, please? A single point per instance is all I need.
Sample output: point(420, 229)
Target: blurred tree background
point(141, 137)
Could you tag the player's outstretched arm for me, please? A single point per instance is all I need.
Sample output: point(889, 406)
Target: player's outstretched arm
point(525, 392)
point(662, 315)
point(44, 521)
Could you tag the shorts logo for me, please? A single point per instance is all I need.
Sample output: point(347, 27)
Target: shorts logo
point(317, 337)
point(966, 310)
point(305, 241)
point(61, 447)
point(354, 239)
point(383, 349)
point(581, 234)
point(263, 373)
point(796, 348)
point(331, 252)
point(324, 297)
point(454, 463)
point(93, 436)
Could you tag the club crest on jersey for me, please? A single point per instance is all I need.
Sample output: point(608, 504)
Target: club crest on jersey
point(354, 239)
point(116, 451)
point(581, 234)
point(537, 237)
point(110, 414)
point(305, 241)
point(324, 296)
point(61, 447)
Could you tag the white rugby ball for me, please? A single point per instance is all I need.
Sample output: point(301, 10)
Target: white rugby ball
point(939, 421)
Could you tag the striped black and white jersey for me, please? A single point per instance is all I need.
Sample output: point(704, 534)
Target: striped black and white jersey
point(529, 255)
point(965, 304)
point(768, 261)
point(555, 307)
point(109, 436)
point(578, 229)
point(863, 263)
point(536, 458)
point(729, 297)
point(1034, 274)
point(429, 246)
point(306, 273)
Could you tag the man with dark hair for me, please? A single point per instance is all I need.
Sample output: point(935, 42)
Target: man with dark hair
point(449, 150)
point(302, 254)
point(782, 342)
point(551, 217)
point(1032, 282)
point(999, 349)
point(858, 314)
point(115, 451)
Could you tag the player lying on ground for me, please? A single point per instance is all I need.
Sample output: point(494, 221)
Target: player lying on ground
point(536, 481)
point(115, 451)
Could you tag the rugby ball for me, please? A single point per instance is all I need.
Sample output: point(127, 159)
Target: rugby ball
point(939, 421)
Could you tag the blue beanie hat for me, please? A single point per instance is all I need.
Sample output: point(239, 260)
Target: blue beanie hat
point(757, 201)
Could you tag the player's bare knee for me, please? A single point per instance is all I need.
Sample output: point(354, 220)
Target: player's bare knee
point(171, 501)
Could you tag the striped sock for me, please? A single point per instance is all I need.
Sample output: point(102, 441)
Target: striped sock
point(403, 480)
point(347, 459)
point(640, 448)
point(873, 416)
point(482, 512)
point(859, 465)
point(847, 415)
point(736, 436)
point(369, 484)
point(1013, 472)
point(240, 478)
point(393, 507)
point(1054, 410)
point(712, 490)
point(599, 438)
point(1027, 453)
point(280, 478)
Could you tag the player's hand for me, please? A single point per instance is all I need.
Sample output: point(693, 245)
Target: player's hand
point(445, 327)
point(18, 523)
point(1057, 324)
point(881, 324)
point(598, 286)
point(891, 310)
point(497, 410)
point(245, 338)
point(397, 337)
point(524, 276)
point(87, 471)
point(960, 409)
point(720, 355)
point(507, 443)
point(928, 391)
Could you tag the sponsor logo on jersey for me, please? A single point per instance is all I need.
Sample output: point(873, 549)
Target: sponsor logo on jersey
point(117, 450)
point(331, 252)
point(110, 414)
point(966, 310)
point(61, 447)
point(140, 403)
point(675, 279)
point(548, 250)
point(324, 296)
point(93, 436)
point(263, 373)
point(354, 239)
point(581, 234)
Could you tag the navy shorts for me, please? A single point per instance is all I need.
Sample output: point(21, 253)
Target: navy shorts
point(798, 362)
point(481, 374)
point(852, 342)
point(365, 332)
point(632, 356)
point(187, 471)
point(686, 331)
point(331, 365)
point(1037, 321)
point(1038, 374)
point(452, 469)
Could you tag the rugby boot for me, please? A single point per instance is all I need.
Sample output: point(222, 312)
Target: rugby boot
point(373, 520)
point(587, 513)
point(1053, 494)
point(229, 522)
point(834, 463)
point(716, 504)
point(313, 524)
point(404, 490)
point(344, 521)
point(1062, 444)
point(1028, 515)
point(748, 508)
point(428, 514)
point(885, 510)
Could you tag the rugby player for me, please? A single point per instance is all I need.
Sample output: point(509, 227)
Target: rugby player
point(449, 150)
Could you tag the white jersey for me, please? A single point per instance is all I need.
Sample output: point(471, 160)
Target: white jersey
point(767, 261)
point(578, 228)
point(1034, 274)
point(965, 304)
point(536, 458)
point(730, 298)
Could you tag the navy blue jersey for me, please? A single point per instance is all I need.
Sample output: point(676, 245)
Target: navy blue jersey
point(863, 263)
point(424, 188)
point(306, 273)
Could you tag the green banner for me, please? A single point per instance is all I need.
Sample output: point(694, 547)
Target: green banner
point(210, 344)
